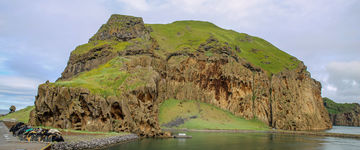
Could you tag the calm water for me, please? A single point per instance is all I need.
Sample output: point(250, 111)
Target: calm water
point(245, 141)
point(345, 129)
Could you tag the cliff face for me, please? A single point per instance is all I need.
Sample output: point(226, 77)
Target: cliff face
point(213, 73)
point(343, 114)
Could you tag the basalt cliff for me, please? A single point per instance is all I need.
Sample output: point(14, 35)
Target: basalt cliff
point(117, 80)
point(343, 114)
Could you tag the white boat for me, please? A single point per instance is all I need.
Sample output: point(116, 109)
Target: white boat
point(182, 135)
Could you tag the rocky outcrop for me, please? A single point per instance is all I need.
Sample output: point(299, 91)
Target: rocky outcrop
point(77, 108)
point(87, 61)
point(343, 114)
point(213, 74)
point(290, 100)
point(346, 119)
point(118, 28)
point(121, 28)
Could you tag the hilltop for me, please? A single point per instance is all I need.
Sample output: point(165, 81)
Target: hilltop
point(119, 79)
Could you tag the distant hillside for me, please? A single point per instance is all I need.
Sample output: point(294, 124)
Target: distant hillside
point(343, 114)
point(21, 115)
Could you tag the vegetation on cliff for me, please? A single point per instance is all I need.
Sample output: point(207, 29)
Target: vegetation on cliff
point(197, 115)
point(114, 46)
point(177, 36)
point(104, 80)
point(21, 115)
point(337, 108)
point(188, 35)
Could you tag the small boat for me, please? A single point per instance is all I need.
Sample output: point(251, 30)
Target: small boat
point(182, 135)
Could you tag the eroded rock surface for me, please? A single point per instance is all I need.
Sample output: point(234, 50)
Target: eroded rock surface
point(289, 100)
point(121, 28)
point(346, 119)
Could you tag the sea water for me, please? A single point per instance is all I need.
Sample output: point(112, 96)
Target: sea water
point(247, 141)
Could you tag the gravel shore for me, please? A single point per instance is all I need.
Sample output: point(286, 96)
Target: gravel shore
point(93, 144)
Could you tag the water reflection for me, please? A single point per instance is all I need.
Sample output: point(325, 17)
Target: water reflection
point(236, 141)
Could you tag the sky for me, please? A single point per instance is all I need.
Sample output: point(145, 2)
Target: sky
point(36, 37)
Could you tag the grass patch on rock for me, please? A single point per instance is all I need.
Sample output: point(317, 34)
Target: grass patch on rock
point(104, 80)
point(198, 115)
point(110, 79)
point(114, 46)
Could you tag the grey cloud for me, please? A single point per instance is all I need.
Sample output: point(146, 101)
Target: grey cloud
point(18, 91)
point(36, 38)
point(344, 78)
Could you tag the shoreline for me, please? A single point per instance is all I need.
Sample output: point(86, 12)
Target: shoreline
point(95, 141)
point(94, 144)
point(306, 133)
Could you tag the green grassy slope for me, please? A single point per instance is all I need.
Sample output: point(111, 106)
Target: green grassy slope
point(21, 115)
point(336, 108)
point(113, 45)
point(108, 79)
point(208, 116)
point(188, 35)
point(104, 80)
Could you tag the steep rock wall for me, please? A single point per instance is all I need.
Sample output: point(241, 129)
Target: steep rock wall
point(290, 100)
point(77, 108)
point(346, 119)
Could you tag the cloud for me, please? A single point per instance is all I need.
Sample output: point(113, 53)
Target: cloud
point(18, 82)
point(343, 82)
point(18, 91)
point(141, 5)
point(18, 101)
point(36, 38)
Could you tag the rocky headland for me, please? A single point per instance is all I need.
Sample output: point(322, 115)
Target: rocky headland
point(117, 80)
point(343, 114)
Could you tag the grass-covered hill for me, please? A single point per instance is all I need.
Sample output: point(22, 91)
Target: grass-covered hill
point(188, 35)
point(197, 115)
point(118, 80)
point(338, 108)
point(179, 36)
